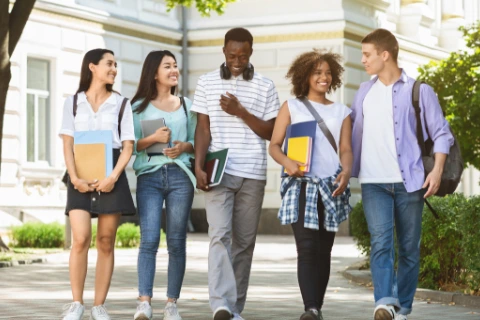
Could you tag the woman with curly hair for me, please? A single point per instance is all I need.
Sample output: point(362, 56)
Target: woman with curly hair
point(315, 202)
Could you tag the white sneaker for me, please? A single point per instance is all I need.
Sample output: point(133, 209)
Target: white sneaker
point(73, 311)
point(171, 312)
point(222, 313)
point(99, 313)
point(401, 317)
point(144, 311)
point(384, 312)
point(237, 316)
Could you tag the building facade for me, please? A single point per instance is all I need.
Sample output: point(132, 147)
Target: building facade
point(46, 66)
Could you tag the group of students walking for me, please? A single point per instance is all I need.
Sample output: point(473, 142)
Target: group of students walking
point(237, 108)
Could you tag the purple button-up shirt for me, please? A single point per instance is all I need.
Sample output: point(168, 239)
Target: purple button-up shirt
point(405, 124)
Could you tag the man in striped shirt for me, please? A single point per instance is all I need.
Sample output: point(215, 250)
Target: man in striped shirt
point(236, 109)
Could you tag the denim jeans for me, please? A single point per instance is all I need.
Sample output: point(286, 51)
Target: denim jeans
point(389, 205)
point(172, 185)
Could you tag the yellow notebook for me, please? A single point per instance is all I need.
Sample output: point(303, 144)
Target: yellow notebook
point(90, 161)
point(299, 149)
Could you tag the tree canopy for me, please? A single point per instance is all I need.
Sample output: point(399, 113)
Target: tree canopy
point(456, 80)
point(205, 7)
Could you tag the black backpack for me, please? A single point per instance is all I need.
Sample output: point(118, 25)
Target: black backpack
point(452, 171)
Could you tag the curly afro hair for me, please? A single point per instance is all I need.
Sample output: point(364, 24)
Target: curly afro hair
point(304, 65)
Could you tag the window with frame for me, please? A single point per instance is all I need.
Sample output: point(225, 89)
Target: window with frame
point(38, 110)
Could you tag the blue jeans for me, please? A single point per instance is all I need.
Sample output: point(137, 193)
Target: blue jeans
point(169, 183)
point(389, 205)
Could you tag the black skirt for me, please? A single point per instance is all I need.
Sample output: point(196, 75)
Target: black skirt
point(119, 200)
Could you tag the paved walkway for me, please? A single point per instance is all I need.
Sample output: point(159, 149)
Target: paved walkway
point(38, 291)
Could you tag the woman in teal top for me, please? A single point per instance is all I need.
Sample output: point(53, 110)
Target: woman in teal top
point(165, 177)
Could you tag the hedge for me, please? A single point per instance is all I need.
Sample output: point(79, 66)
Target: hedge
point(450, 253)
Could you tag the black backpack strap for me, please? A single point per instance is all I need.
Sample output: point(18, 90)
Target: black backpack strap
point(435, 214)
point(75, 98)
point(120, 117)
point(321, 124)
point(416, 106)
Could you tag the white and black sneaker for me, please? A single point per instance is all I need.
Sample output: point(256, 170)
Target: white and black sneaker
point(384, 312)
point(222, 313)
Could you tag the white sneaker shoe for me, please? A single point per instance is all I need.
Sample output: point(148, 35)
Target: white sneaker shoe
point(384, 312)
point(73, 311)
point(144, 311)
point(99, 313)
point(401, 317)
point(171, 312)
point(222, 313)
point(237, 316)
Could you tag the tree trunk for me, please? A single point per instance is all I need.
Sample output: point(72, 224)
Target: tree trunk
point(3, 246)
point(5, 73)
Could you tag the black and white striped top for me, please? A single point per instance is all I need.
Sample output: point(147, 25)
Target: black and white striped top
point(247, 151)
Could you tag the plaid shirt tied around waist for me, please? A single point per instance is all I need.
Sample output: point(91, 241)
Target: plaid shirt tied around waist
point(336, 208)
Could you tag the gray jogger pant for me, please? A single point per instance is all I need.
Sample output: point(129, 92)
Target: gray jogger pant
point(233, 212)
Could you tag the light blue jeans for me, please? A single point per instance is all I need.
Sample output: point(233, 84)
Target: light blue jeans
point(389, 205)
point(169, 183)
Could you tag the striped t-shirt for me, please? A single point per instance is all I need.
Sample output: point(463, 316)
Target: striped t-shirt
point(247, 152)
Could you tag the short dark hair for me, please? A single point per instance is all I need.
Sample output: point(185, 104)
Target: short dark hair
point(239, 35)
point(383, 40)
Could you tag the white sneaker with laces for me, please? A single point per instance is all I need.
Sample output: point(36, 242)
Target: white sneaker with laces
point(171, 312)
point(73, 311)
point(237, 316)
point(99, 313)
point(384, 312)
point(401, 317)
point(144, 311)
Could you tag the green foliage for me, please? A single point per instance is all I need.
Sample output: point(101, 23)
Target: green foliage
point(93, 241)
point(205, 7)
point(359, 228)
point(456, 81)
point(128, 236)
point(38, 235)
point(449, 246)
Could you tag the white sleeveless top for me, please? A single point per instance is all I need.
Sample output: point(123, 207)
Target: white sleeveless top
point(325, 160)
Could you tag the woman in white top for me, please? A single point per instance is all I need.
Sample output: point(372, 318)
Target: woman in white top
point(96, 106)
point(315, 203)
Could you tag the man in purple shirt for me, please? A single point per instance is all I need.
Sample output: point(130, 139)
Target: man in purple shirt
point(388, 163)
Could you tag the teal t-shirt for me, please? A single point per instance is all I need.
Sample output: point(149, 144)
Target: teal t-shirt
point(182, 129)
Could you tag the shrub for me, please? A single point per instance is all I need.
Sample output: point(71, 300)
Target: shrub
point(449, 247)
point(38, 235)
point(128, 236)
point(93, 241)
point(359, 228)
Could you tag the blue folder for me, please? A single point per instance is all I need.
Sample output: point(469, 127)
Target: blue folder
point(300, 129)
point(98, 136)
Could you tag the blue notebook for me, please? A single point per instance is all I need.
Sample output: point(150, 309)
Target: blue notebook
point(300, 129)
point(98, 136)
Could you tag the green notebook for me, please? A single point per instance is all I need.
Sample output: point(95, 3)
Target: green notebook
point(222, 156)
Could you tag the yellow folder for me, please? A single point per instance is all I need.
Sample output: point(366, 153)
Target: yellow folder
point(90, 161)
point(299, 149)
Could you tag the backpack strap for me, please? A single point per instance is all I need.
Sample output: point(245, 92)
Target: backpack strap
point(120, 117)
point(416, 106)
point(321, 124)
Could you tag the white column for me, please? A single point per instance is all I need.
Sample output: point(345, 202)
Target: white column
point(415, 21)
point(452, 18)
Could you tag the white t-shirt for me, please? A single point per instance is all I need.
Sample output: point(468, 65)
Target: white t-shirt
point(247, 151)
point(325, 160)
point(106, 118)
point(379, 163)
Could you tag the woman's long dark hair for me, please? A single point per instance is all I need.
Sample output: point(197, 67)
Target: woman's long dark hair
point(147, 87)
point(93, 56)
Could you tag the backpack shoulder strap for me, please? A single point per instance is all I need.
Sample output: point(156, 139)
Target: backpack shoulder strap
point(184, 106)
point(75, 99)
point(416, 106)
point(120, 117)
